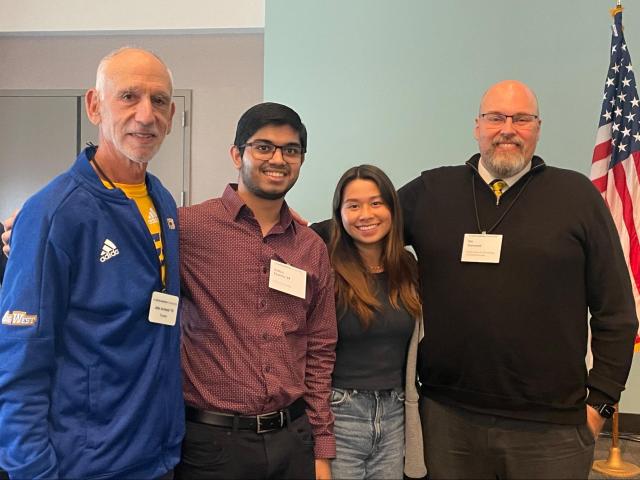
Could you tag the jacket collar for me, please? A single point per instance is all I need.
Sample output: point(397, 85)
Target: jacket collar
point(84, 172)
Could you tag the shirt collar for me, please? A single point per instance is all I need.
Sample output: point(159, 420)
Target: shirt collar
point(488, 177)
point(236, 207)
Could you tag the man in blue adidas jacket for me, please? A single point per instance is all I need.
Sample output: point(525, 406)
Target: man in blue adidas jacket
point(90, 383)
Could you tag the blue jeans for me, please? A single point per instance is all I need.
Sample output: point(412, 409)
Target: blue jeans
point(369, 430)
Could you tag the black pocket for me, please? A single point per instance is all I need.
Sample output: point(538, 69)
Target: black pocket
point(585, 436)
point(302, 428)
point(204, 445)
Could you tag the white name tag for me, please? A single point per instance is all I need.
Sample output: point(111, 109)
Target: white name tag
point(287, 279)
point(163, 309)
point(481, 248)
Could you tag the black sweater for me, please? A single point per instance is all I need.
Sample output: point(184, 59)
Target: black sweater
point(510, 338)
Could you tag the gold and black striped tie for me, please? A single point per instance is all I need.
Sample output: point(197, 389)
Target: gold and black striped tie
point(498, 186)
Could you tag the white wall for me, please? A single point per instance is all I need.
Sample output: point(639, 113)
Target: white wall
point(224, 71)
point(127, 15)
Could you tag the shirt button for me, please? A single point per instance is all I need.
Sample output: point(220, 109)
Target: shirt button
point(265, 336)
point(262, 303)
point(265, 270)
point(267, 369)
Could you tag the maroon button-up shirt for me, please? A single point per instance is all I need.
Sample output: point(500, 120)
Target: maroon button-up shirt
point(246, 348)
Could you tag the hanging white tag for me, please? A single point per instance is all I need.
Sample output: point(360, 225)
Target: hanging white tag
point(163, 309)
point(481, 248)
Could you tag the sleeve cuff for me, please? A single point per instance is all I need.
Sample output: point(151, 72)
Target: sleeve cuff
point(324, 446)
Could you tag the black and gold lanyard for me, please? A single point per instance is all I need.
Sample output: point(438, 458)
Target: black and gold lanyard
point(162, 239)
point(507, 210)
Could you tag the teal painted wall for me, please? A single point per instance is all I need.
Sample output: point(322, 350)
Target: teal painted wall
point(397, 83)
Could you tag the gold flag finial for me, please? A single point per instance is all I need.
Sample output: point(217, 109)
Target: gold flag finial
point(618, 8)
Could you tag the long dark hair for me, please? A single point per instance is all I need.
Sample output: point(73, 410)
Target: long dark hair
point(353, 282)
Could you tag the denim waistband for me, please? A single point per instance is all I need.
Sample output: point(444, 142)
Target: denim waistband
point(380, 393)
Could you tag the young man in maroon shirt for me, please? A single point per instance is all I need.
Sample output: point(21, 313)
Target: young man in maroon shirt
point(258, 317)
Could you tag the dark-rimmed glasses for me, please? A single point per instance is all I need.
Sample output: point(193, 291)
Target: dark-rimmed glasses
point(519, 120)
point(291, 153)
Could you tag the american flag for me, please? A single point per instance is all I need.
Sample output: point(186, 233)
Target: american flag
point(615, 168)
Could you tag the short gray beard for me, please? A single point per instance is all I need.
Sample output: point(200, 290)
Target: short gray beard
point(504, 165)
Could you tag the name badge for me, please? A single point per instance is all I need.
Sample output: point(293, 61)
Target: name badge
point(163, 309)
point(288, 279)
point(481, 248)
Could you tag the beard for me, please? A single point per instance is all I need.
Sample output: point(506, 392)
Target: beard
point(504, 164)
point(255, 189)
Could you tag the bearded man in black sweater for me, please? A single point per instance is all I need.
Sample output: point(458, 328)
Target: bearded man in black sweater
point(510, 270)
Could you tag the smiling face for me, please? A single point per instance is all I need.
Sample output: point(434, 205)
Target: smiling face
point(131, 105)
point(506, 150)
point(267, 179)
point(364, 214)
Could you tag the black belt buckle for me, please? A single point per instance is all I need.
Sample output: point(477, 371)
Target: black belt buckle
point(268, 422)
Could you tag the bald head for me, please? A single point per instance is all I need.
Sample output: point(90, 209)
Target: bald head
point(116, 59)
point(510, 92)
point(508, 144)
point(132, 107)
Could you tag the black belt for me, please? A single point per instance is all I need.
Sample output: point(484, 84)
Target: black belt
point(263, 423)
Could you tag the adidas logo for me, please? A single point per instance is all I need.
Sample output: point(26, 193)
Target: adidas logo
point(152, 217)
point(109, 250)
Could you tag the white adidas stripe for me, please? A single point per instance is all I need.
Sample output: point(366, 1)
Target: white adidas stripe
point(109, 250)
point(152, 217)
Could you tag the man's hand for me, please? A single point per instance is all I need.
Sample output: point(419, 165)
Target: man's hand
point(595, 421)
point(6, 236)
point(323, 469)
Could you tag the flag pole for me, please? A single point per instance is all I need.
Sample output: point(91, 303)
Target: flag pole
point(614, 466)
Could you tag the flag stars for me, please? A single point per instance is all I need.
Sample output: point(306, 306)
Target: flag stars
point(626, 82)
point(615, 67)
point(613, 49)
point(622, 147)
point(609, 82)
point(607, 115)
point(630, 117)
point(637, 137)
point(615, 127)
point(618, 111)
point(635, 102)
point(625, 132)
point(622, 97)
point(624, 47)
point(612, 102)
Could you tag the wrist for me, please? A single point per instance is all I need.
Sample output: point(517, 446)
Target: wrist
point(605, 410)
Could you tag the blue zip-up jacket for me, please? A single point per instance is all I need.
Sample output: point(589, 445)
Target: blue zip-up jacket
point(89, 388)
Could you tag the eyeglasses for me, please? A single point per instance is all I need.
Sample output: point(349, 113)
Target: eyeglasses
point(264, 151)
point(519, 120)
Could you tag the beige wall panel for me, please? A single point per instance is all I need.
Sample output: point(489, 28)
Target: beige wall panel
point(224, 72)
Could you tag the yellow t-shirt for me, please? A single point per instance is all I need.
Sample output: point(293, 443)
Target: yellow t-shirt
point(138, 193)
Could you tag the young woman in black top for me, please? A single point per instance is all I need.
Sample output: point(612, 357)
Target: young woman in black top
point(379, 318)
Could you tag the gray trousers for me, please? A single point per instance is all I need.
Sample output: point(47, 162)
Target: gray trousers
point(462, 444)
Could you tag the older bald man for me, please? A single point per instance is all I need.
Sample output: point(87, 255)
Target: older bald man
point(90, 382)
point(513, 256)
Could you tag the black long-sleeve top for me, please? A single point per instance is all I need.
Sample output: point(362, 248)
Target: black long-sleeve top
point(510, 338)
